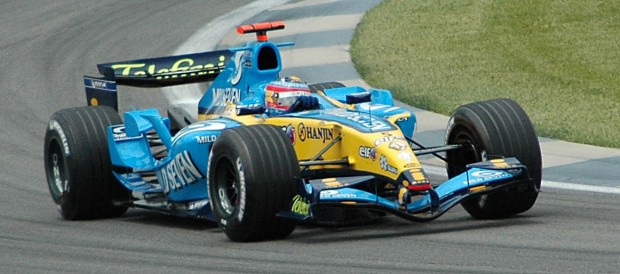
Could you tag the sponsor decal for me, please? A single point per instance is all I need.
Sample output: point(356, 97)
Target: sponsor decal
point(386, 166)
point(205, 139)
point(300, 206)
point(290, 131)
point(54, 125)
point(397, 145)
point(100, 84)
point(300, 85)
point(412, 165)
point(57, 178)
point(388, 138)
point(238, 71)
point(232, 95)
point(242, 192)
point(179, 172)
point(120, 135)
point(207, 179)
point(325, 194)
point(197, 204)
point(364, 120)
point(179, 66)
point(406, 156)
point(197, 127)
point(368, 152)
point(316, 133)
point(486, 175)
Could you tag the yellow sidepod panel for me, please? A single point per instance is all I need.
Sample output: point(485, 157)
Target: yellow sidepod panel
point(383, 153)
point(310, 136)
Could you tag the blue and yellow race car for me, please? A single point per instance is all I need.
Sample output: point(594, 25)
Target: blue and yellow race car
point(264, 152)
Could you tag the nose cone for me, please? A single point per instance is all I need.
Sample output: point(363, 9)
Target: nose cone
point(396, 160)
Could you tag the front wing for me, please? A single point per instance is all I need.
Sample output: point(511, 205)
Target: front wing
point(480, 178)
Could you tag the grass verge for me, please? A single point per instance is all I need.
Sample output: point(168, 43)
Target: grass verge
point(559, 59)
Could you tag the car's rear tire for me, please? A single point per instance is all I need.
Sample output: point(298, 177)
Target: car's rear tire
point(77, 163)
point(497, 127)
point(252, 171)
point(326, 85)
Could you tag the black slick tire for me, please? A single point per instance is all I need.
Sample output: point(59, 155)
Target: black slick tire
point(77, 163)
point(252, 171)
point(498, 127)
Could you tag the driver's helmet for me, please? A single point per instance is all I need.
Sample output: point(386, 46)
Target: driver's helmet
point(281, 94)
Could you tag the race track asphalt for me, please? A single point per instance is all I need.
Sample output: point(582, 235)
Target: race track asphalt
point(46, 47)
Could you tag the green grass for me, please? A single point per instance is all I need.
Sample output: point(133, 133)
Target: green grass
point(559, 59)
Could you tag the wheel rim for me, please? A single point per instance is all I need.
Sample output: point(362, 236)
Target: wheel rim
point(226, 179)
point(467, 156)
point(56, 171)
point(471, 152)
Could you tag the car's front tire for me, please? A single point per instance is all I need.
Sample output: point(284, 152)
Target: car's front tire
point(497, 127)
point(252, 171)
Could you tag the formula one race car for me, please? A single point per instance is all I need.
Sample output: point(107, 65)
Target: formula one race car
point(264, 153)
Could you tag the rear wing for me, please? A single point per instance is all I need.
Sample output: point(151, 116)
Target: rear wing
point(153, 72)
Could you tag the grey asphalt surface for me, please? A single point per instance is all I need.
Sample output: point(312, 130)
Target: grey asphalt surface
point(46, 46)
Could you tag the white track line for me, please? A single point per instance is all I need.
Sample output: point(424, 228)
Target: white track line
point(580, 187)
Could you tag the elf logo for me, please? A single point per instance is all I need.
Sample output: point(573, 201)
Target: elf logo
point(368, 152)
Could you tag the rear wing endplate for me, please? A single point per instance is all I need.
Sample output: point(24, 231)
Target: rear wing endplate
point(100, 92)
